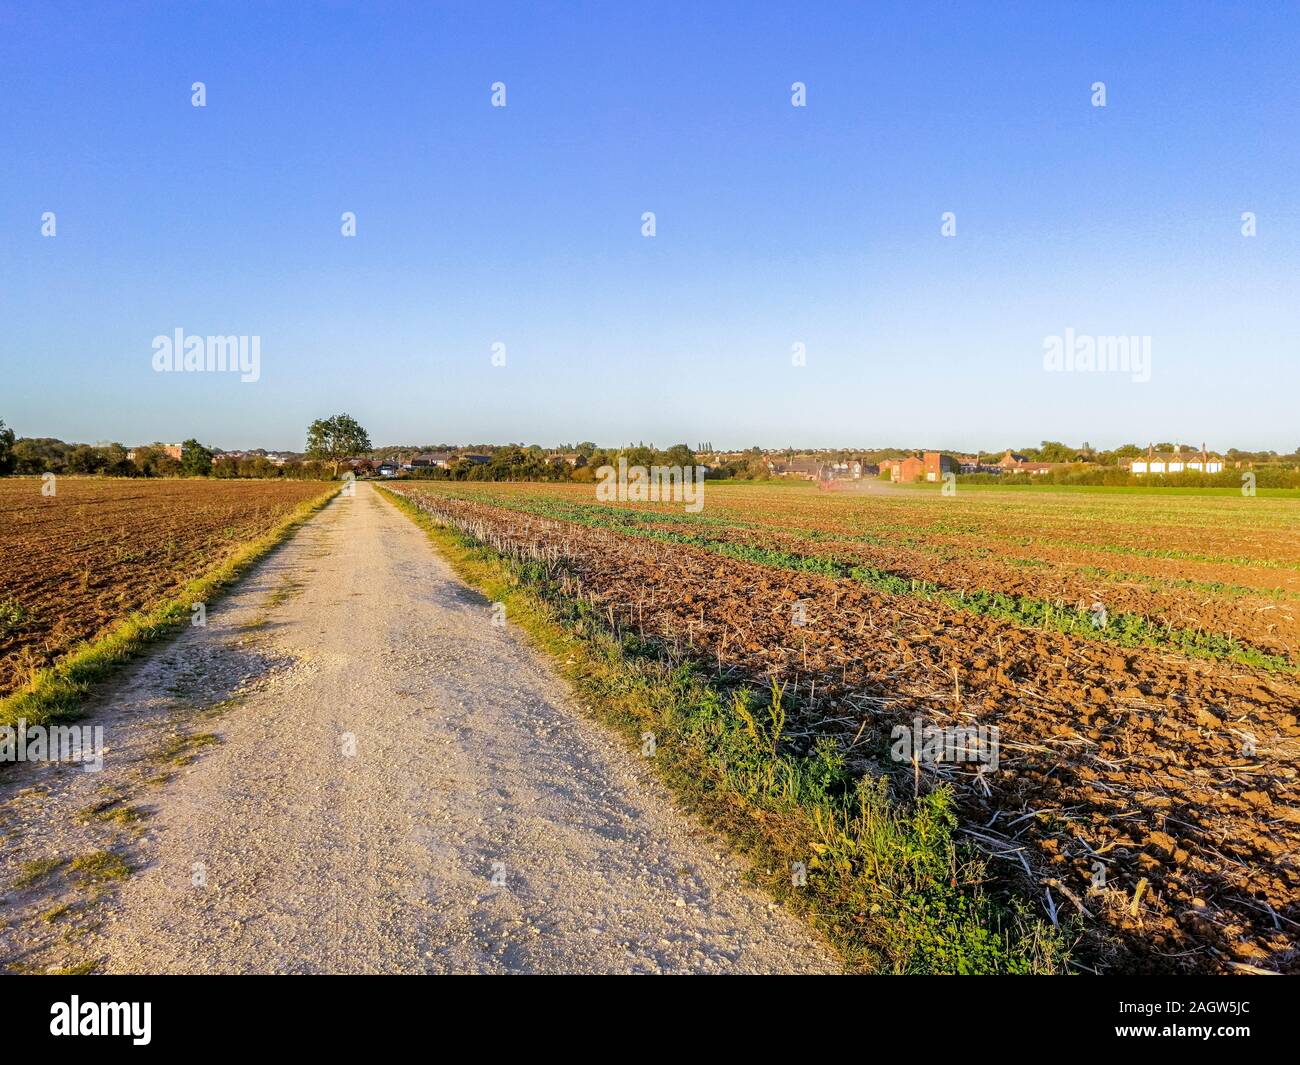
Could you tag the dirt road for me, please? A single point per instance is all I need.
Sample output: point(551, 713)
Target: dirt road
point(351, 769)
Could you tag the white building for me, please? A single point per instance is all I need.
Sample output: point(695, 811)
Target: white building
point(1178, 462)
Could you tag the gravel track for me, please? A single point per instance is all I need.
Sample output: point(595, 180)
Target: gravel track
point(399, 786)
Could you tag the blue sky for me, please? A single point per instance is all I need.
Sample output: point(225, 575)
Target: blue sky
point(775, 224)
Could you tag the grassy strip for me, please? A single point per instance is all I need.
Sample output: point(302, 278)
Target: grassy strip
point(887, 880)
point(59, 692)
point(1122, 629)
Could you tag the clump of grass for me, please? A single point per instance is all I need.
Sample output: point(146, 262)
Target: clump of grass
point(183, 750)
point(83, 968)
point(13, 616)
point(30, 873)
point(112, 811)
point(55, 912)
point(284, 591)
point(99, 867)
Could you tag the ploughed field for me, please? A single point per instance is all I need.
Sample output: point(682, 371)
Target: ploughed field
point(75, 563)
point(1139, 654)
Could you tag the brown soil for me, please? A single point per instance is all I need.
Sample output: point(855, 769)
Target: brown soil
point(75, 563)
point(1177, 777)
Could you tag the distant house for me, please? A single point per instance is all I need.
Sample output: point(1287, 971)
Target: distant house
point(387, 469)
point(805, 469)
point(571, 458)
point(972, 464)
point(170, 450)
point(1014, 462)
point(905, 470)
point(848, 470)
point(429, 460)
point(1178, 462)
point(478, 460)
point(910, 469)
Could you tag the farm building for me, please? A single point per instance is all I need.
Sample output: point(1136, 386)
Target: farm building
point(936, 464)
point(905, 470)
point(428, 460)
point(929, 467)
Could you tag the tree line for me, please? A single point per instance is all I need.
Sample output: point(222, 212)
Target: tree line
point(339, 441)
point(37, 455)
point(519, 462)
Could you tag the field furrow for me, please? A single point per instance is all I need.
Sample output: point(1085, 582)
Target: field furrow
point(1148, 786)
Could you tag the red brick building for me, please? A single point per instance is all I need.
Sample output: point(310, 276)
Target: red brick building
point(936, 464)
point(905, 470)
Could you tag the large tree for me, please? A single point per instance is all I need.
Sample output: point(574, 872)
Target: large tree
point(85, 459)
point(196, 460)
point(334, 439)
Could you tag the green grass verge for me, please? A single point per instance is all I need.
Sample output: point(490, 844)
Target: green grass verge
point(33, 872)
point(59, 692)
point(888, 881)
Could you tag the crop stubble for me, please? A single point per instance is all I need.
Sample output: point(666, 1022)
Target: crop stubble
point(1174, 774)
